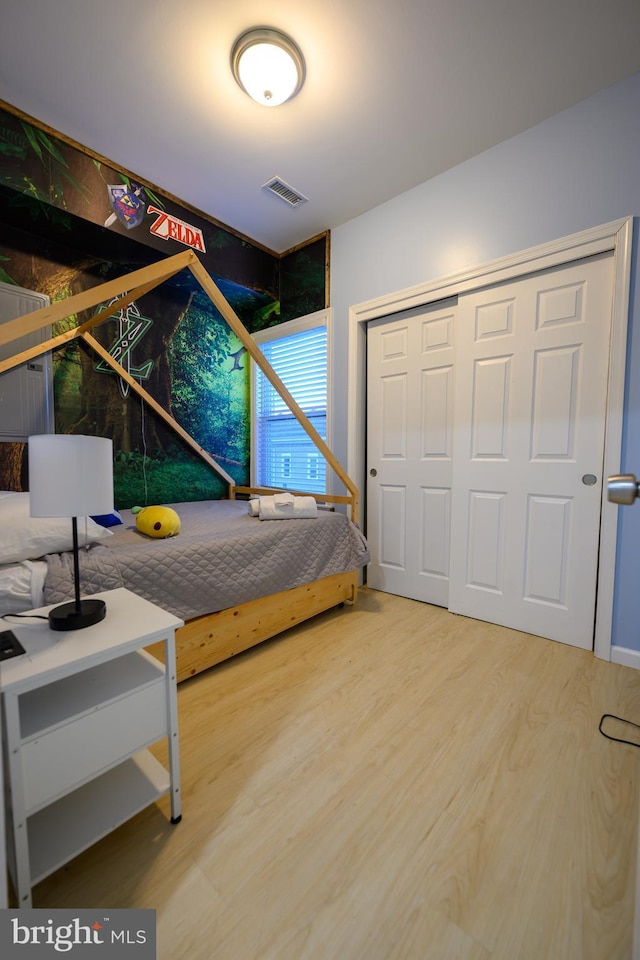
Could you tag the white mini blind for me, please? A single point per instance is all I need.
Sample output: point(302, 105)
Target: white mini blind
point(286, 456)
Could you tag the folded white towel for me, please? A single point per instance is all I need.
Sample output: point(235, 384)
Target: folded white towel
point(284, 506)
point(305, 508)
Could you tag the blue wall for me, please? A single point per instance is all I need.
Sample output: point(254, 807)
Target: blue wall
point(576, 170)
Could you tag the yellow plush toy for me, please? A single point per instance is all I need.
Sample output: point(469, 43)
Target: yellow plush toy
point(157, 521)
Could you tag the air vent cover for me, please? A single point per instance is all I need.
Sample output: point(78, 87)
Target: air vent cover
point(285, 191)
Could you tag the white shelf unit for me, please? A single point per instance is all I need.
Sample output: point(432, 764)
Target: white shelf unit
point(26, 391)
point(80, 710)
point(64, 829)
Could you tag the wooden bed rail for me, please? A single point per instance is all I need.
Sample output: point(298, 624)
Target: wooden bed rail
point(208, 640)
point(320, 497)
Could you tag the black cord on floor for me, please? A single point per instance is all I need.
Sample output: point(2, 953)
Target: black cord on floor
point(622, 720)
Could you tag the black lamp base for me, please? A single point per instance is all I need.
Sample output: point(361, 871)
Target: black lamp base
point(75, 616)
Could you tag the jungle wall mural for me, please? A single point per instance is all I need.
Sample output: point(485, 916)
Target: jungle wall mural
point(68, 222)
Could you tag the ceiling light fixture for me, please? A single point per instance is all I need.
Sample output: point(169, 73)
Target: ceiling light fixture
point(268, 65)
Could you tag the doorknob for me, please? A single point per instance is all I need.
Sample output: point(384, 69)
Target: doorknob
point(623, 489)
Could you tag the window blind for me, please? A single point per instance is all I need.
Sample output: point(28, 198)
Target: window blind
point(286, 456)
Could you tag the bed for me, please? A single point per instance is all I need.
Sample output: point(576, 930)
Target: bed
point(235, 580)
point(263, 608)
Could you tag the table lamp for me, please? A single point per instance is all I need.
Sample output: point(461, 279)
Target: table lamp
point(71, 476)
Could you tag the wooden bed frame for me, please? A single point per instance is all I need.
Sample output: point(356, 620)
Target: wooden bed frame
point(209, 639)
point(214, 637)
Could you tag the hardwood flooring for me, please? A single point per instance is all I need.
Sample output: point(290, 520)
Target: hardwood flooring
point(388, 782)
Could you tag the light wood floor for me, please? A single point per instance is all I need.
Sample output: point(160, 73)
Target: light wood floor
point(389, 782)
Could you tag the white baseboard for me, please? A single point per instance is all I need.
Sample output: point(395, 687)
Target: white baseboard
point(626, 657)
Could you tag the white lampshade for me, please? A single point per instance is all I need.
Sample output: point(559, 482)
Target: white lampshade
point(268, 65)
point(70, 476)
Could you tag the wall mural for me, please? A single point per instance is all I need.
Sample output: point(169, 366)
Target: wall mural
point(69, 222)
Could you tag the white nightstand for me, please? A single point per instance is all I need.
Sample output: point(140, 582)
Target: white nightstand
point(80, 709)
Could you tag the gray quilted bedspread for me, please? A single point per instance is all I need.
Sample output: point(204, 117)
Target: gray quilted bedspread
point(221, 557)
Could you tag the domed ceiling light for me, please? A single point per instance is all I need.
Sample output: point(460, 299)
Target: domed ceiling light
point(268, 65)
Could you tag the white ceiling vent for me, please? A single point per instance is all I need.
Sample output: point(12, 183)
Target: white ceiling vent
point(286, 192)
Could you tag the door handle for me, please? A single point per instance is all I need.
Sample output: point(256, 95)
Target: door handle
point(623, 488)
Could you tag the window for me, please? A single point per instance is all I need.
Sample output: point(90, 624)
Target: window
point(283, 455)
point(313, 470)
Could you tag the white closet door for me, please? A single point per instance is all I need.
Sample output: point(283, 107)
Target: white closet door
point(409, 450)
point(531, 379)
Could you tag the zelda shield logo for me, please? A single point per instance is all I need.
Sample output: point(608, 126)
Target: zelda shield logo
point(132, 327)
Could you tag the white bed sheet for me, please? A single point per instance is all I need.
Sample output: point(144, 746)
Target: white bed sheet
point(22, 586)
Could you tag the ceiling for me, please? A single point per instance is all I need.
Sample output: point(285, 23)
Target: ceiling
point(395, 92)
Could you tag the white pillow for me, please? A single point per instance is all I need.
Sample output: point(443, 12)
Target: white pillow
point(22, 586)
point(23, 537)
